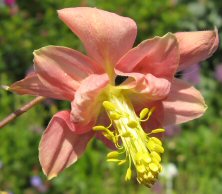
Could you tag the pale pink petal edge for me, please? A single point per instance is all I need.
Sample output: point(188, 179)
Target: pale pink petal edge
point(59, 146)
point(184, 103)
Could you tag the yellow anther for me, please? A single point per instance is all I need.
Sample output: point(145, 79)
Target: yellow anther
point(141, 169)
point(154, 160)
point(122, 162)
point(139, 157)
point(112, 160)
point(128, 174)
point(114, 116)
point(158, 130)
point(160, 168)
point(144, 113)
point(158, 149)
point(150, 175)
point(156, 140)
point(145, 176)
point(147, 159)
point(126, 134)
point(99, 128)
point(113, 154)
point(109, 135)
point(156, 156)
point(153, 167)
point(150, 112)
point(151, 145)
point(132, 124)
point(109, 106)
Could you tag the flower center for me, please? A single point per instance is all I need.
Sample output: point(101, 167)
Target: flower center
point(137, 146)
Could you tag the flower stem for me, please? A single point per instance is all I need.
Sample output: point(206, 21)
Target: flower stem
point(21, 110)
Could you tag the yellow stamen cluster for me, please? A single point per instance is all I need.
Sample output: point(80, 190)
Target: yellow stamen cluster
point(137, 146)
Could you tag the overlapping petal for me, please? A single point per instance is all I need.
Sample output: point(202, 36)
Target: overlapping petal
point(196, 46)
point(158, 56)
point(152, 88)
point(106, 36)
point(60, 146)
point(33, 86)
point(62, 67)
point(88, 100)
point(184, 103)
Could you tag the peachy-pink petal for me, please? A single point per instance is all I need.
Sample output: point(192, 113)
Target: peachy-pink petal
point(62, 67)
point(152, 88)
point(60, 146)
point(184, 103)
point(196, 46)
point(87, 102)
point(106, 36)
point(33, 86)
point(158, 56)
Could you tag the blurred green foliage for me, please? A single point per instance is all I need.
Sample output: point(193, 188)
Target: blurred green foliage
point(196, 151)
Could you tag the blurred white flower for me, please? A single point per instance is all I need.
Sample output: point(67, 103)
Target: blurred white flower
point(169, 170)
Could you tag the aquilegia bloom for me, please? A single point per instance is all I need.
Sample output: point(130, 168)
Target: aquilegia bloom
point(121, 95)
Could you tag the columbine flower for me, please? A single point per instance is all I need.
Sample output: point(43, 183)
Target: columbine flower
point(121, 95)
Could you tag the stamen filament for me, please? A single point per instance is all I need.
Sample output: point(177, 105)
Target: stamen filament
point(140, 149)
